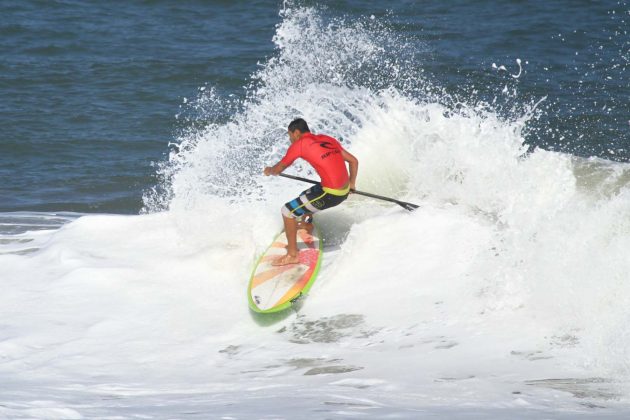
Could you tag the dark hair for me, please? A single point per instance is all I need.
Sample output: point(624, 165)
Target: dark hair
point(299, 124)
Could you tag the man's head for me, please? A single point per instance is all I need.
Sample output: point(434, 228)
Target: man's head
point(297, 127)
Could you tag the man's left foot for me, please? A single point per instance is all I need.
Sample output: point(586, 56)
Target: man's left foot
point(285, 260)
point(306, 226)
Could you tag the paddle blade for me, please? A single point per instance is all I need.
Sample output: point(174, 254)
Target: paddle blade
point(408, 206)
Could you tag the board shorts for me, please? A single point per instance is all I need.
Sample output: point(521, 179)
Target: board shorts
point(316, 198)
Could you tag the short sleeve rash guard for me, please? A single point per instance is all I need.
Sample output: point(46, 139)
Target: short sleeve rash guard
point(324, 154)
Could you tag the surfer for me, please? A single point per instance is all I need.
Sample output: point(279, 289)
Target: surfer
point(328, 158)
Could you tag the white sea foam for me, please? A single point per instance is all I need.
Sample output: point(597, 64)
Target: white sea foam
point(504, 295)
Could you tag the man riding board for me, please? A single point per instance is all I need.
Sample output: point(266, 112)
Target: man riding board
point(328, 158)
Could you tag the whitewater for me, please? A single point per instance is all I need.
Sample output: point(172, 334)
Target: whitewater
point(504, 295)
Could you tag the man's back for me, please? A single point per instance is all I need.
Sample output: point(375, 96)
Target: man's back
point(324, 154)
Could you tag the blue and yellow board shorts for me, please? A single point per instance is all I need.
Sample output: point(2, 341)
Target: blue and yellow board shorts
point(316, 198)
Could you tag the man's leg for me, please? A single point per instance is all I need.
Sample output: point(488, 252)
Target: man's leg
point(295, 208)
point(290, 229)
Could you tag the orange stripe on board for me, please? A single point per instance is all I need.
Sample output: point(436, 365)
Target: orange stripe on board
point(268, 258)
point(296, 287)
point(307, 257)
point(269, 274)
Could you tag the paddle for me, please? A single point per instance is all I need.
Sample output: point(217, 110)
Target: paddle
point(406, 206)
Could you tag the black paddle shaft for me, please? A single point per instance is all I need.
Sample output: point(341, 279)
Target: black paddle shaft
point(406, 206)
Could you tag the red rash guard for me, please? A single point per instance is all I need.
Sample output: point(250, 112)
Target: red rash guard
point(324, 154)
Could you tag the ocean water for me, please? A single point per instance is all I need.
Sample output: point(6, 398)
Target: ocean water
point(132, 207)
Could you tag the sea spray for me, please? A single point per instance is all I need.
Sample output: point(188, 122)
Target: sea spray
point(548, 240)
point(327, 71)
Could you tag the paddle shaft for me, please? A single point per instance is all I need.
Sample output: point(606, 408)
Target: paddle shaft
point(406, 206)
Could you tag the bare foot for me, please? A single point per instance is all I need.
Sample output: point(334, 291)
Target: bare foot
point(286, 260)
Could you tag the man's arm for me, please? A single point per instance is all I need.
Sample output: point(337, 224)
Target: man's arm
point(275, 169)
point(285, 162)
point(354, 166)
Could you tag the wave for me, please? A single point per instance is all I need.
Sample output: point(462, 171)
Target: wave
point(511, 275)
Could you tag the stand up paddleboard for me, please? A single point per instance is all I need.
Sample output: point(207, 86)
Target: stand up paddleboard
point(273, 289)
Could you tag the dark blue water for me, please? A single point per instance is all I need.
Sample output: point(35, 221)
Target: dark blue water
point(94, 92)
point(90, 91)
